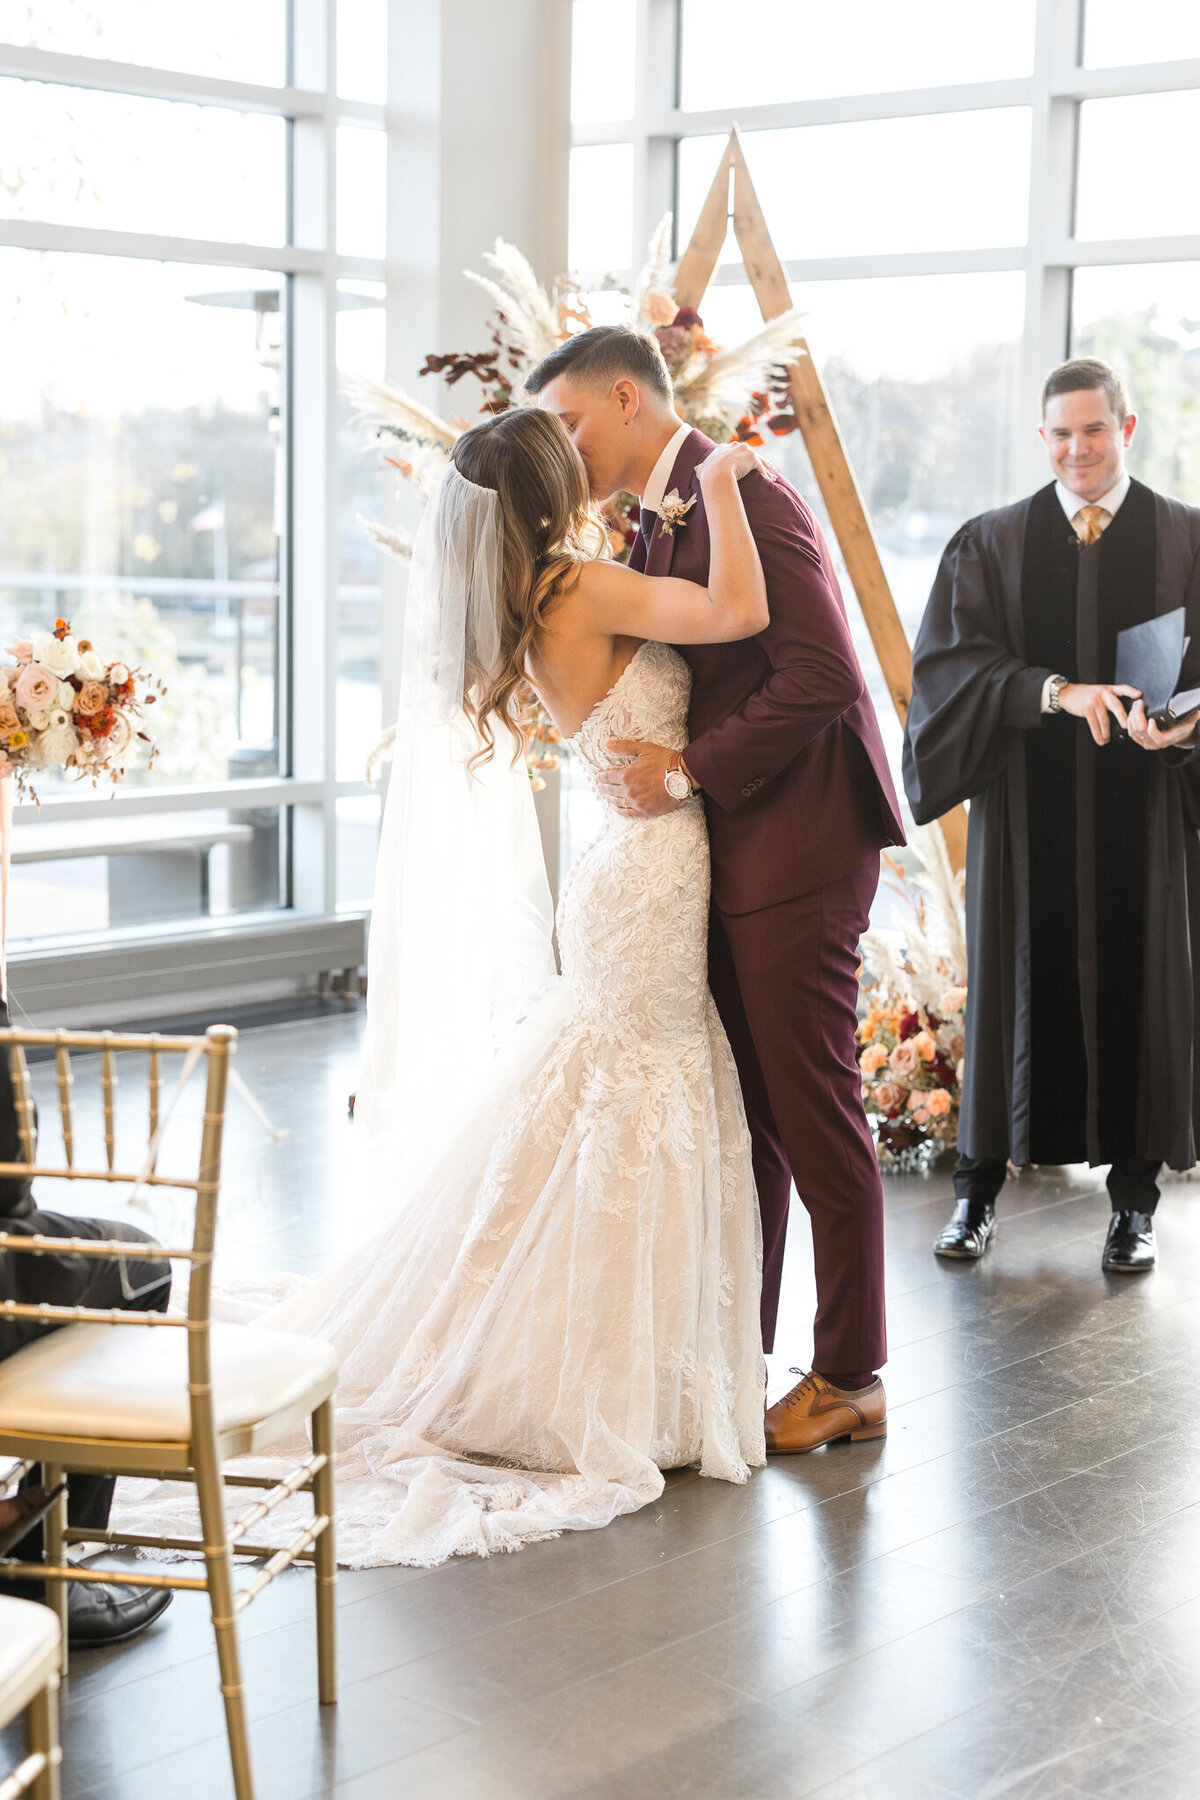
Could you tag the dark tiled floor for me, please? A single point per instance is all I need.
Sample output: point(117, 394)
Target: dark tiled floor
point(1001, 1599)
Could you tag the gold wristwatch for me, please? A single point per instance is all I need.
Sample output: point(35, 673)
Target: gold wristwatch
point(678, 782)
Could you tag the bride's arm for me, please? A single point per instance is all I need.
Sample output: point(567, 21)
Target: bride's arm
point(733, 605)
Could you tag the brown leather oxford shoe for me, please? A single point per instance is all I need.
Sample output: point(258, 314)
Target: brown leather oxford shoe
point(816, 1412)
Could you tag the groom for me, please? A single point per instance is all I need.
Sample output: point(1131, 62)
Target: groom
point(786, 750)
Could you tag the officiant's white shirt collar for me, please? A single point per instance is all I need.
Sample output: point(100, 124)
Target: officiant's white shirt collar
point(660, 474)
point(1111, 501)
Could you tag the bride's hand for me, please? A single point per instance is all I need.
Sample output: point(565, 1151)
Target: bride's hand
point(732, 459)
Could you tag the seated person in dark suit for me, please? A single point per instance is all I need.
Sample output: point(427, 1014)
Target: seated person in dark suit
point(98, 1613)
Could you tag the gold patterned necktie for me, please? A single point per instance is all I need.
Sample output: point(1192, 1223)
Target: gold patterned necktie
point(1089, 522)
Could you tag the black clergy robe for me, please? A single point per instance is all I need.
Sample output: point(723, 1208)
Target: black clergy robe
point(1083, 861)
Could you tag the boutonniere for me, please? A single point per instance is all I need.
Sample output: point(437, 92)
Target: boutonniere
point(673, 512)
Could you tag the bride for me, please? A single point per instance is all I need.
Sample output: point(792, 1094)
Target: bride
point(565, 1302)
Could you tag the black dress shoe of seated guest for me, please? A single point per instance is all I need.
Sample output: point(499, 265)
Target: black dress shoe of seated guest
point(99, 1614)
point(1129, 1248)
point(969, 1232)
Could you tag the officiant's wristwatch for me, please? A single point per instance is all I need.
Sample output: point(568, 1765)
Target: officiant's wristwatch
point(1054, 690)
point(678, 782)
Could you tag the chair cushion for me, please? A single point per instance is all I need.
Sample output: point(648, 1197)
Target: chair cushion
point(28, 1652)
point(129, 1382)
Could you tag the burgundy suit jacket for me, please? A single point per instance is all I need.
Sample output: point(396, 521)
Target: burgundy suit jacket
point(784, 738)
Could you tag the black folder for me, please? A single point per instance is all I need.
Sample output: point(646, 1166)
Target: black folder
point(1150, 658)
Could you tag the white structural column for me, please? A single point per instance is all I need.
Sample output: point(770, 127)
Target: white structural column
point(478, 148)
point(312, 648)
point(656, 96)
point(1053, 152)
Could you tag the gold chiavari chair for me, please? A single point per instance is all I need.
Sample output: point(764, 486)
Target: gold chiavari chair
point(168, 1395)
point(29, 1653)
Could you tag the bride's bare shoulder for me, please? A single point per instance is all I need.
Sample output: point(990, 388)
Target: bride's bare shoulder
point(586, 577)
point(596, 581)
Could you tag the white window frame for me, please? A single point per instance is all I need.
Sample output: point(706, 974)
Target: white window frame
point(309, 562)
point(1054, 92)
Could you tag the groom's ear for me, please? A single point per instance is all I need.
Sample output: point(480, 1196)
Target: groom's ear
point(627, 398)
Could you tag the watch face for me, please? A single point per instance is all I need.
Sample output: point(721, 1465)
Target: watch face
point(677, 784)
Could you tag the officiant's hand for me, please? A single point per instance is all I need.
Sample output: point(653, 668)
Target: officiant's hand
point(638, 788)
point(1097, 702)
point(1150, 736)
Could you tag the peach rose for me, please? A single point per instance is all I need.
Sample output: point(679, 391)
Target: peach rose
point(8, 719)
point(872, 1059)
point(889, 1095)
point(660, 309)
point(22, 650)
point(924, 1045)
point(905, 1059)
point(92, 696)
point(36, 687)
point(12, 676)
point(938, 1102)
point(953, 1000)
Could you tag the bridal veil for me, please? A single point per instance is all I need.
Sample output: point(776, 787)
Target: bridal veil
point(462, 921)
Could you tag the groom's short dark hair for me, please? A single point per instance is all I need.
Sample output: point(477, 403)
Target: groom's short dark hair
point(598, 357)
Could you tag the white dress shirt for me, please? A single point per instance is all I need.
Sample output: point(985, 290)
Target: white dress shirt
point(1111, 502)
point(660, 474)
point(1071, 504)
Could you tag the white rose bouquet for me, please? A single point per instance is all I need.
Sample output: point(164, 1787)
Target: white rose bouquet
point(62, 706)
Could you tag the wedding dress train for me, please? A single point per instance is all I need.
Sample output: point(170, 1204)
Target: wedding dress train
point(568, 1304)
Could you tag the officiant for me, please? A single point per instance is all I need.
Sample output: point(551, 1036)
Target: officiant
point(1083, 860)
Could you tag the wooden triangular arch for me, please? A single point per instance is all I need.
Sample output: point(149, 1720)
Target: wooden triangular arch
point(826, 452)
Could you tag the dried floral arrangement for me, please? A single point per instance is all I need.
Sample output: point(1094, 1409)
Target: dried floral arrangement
point(739, 392)
point(65, 706)
point(911, 1041)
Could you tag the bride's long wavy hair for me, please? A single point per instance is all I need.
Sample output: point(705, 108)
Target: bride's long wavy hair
point(548, 528)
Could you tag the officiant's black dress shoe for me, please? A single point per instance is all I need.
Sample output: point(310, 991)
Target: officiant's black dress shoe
point(1130, 1248)
point(969, 1232)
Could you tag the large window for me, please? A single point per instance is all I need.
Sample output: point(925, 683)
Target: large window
point(781, 52)
point(960, 197)
point(1145, 319)
point(191, 254)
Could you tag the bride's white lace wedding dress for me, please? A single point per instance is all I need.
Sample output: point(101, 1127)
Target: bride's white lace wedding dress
point(572, 1307)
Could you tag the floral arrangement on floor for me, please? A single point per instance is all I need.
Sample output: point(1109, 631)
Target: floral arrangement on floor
point(912, 1037)
point(543, 741)
point(63, 706)
point(739, 392)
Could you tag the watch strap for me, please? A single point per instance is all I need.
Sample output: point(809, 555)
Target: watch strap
point(675, 767)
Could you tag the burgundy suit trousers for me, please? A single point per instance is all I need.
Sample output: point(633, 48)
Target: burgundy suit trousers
point(785, 980)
